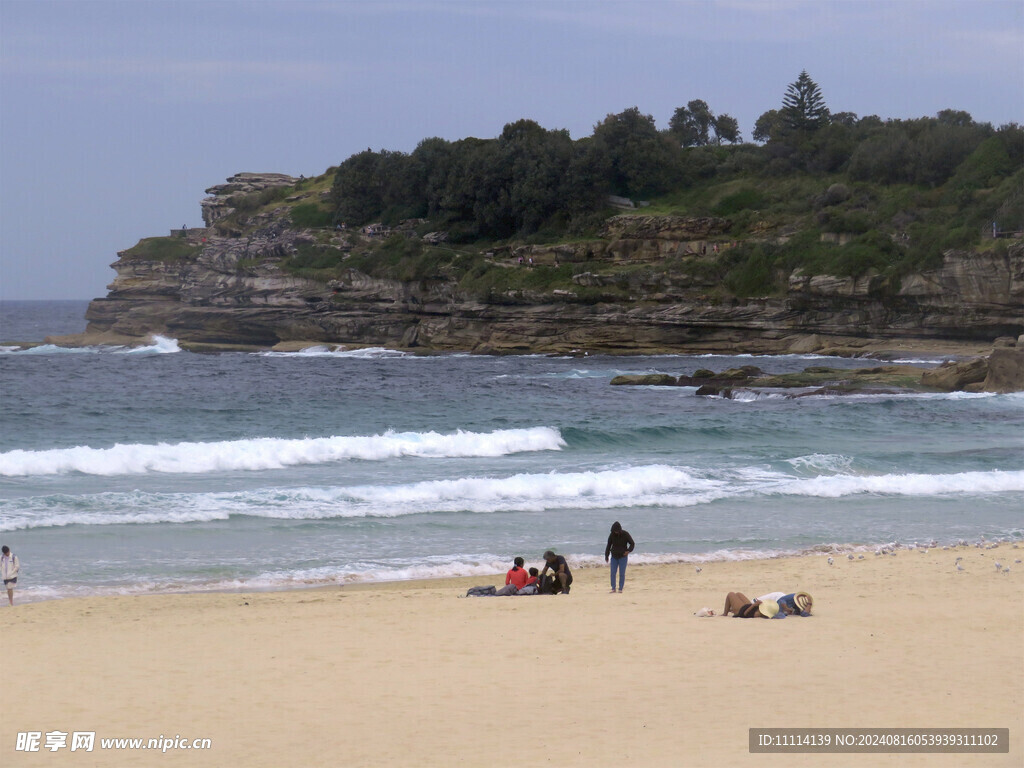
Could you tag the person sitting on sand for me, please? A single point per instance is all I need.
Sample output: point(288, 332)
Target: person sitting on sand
point(560, 568)
point(517, 575)
point(533, 578)
point(793, 604)
point(532, 585)
point(742, 607)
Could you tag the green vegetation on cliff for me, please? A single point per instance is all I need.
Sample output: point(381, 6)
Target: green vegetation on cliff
point(162, 249)
point(823, 192)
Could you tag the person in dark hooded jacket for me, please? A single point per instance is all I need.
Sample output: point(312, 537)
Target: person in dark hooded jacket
point(620, 544)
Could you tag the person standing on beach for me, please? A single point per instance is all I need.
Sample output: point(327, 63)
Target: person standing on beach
point(9, 566)
point(619, 545)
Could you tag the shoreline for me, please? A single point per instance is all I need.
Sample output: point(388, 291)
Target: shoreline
point(809, 343)
point(405, 673)
point(859, 551)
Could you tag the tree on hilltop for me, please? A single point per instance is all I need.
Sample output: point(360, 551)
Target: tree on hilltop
point(691, 125)
point(803, 106)
point(726, 129)
point(640, 160)
point(767, 126)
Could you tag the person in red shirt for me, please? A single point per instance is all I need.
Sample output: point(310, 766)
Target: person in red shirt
point(517, 575)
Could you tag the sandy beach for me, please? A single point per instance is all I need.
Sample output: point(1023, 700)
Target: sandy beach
point(408, 674)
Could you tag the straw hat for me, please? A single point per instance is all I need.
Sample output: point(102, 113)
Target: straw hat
point(768, 608)
point(803, 601)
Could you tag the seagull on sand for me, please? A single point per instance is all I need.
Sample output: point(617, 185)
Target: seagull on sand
point(830, 561)
point(959, 567)
point(699, 569)
point(999, 566)
point(849, 557)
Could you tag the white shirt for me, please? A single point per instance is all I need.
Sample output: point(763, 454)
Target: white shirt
point(9, 566)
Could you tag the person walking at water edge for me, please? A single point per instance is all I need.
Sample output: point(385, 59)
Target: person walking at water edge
point(9, 566)
point(619, 545)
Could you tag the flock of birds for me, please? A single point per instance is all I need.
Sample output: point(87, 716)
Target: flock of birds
point(924, 548)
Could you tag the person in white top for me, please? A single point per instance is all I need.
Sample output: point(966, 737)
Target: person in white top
point(9, 566)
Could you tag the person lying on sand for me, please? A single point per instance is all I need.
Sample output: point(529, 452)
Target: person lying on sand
point(793, 604)
point(742, 607)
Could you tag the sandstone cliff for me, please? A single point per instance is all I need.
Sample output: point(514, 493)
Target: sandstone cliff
point(227, 285)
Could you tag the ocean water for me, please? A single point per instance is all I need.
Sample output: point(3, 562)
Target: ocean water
point(155, 469)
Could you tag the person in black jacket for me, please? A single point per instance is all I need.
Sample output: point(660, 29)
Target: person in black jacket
point(620, 544)
point(562, 579)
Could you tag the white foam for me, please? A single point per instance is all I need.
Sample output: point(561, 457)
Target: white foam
point(645, 486)
point(53, 349)
point(970, 483)
point(638, 486)
point(160, 345)
point(274, 453)
point(339, 351)
point(822, 462)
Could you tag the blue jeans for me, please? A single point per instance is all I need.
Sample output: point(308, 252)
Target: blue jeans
point(619, 564)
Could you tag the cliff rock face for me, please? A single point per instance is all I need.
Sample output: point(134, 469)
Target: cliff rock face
point(218, 204)
point(233, 290)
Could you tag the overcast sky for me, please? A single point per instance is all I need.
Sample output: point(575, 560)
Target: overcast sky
point(116, 116)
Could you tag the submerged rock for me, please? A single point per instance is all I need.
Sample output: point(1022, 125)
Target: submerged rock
point(646, 380)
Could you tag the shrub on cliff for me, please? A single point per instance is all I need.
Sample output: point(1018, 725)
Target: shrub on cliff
point(162, 249)
point(311, 216)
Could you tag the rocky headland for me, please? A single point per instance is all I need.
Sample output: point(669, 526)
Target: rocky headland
point(640, 287)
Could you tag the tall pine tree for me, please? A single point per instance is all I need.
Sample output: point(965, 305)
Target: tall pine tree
point(803, 106)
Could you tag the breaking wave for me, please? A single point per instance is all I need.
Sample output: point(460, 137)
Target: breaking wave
point(273, 453)
point(646, 486)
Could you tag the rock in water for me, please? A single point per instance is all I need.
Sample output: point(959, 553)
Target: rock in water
point(955, 377)
point(1005, 370)
point(647, 380)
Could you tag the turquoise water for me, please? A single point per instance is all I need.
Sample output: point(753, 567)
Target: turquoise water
point(158, 469)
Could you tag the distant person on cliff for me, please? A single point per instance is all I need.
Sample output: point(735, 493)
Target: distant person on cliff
point(560, 568)
point(619, 545)
point(9, 566)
